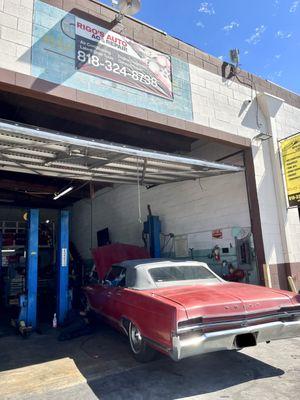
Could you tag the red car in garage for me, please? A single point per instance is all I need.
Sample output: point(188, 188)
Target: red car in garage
point(182, 308)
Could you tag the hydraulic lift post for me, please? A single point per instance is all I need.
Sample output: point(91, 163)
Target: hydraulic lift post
point(152, 227)
point(32, 266)
point(63, 267)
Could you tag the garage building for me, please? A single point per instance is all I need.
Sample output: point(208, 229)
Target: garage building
point(100, 119)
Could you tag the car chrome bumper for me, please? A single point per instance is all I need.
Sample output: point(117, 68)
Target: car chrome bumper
point(226, 339)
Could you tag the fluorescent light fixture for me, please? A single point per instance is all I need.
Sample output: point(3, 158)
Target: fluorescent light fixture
point(8, 251)
point(63, 193)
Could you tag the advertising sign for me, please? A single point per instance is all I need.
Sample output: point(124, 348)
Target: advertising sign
point(290, 155)
point(217, 234)
point(107, 54)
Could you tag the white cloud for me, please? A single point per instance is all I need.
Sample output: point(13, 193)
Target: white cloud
point(273, 76)
point(294, 6)
point(277, 56)
point(283, 35)
point(256, 37)
point(221, 58)
point(246, 52)
point(200, 24)
point(232, 25)
point(276, 5)
point(206, 8)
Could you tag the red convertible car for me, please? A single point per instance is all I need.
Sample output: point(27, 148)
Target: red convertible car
point(182, 308)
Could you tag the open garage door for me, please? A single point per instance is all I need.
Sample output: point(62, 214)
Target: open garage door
point(32, 150)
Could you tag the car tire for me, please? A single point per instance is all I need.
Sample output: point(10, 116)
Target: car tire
point(141, 351)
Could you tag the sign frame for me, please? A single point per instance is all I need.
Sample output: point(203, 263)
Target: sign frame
point(102, 52)
point(283, 174)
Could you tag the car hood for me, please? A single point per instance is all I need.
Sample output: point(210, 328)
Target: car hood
point(225, 298)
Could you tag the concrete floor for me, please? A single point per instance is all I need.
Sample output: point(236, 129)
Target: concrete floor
point(108, 371)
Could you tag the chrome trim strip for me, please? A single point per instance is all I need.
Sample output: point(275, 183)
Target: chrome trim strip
point(241, 322)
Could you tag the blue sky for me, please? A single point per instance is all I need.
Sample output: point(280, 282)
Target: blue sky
point(267, 32)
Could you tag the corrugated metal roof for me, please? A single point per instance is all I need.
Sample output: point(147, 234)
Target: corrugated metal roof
point(30, 149)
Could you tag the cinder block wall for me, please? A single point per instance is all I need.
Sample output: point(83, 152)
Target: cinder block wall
point(16, 34)
point(224, 105)
point(191, 209)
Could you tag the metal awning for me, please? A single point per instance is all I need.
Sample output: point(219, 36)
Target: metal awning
point(33, 150)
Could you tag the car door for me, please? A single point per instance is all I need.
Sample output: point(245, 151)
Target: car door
point(114, 283)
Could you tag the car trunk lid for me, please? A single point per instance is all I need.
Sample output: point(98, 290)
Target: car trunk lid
point(224, 299)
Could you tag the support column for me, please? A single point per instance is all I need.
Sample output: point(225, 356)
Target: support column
point(254, 213)
point(32, 266)
point(281, 263)
point(63, 267)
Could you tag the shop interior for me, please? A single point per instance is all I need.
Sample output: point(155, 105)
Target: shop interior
point(36, 204)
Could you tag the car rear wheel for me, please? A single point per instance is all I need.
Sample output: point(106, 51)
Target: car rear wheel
point(141, 351)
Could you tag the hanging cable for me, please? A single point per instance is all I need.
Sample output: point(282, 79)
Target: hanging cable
point(138, 191)
point(91, 222)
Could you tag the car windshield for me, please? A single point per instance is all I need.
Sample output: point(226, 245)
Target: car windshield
point(181, 273)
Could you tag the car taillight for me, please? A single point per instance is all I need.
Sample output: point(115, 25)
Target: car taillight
point(190, 323)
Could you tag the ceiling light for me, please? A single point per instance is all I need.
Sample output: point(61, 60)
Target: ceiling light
point(64, 192)
point(8, 251)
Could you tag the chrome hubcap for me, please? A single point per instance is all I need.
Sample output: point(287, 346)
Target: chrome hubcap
point(135, 338)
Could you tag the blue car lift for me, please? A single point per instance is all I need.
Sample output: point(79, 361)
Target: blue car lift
point(28, 302)
point(63, 267)
point(152, 227)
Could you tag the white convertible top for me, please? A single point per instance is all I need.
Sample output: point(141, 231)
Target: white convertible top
point(138, 277)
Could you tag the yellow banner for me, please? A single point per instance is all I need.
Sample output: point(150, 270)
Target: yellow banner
point(290, 153)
